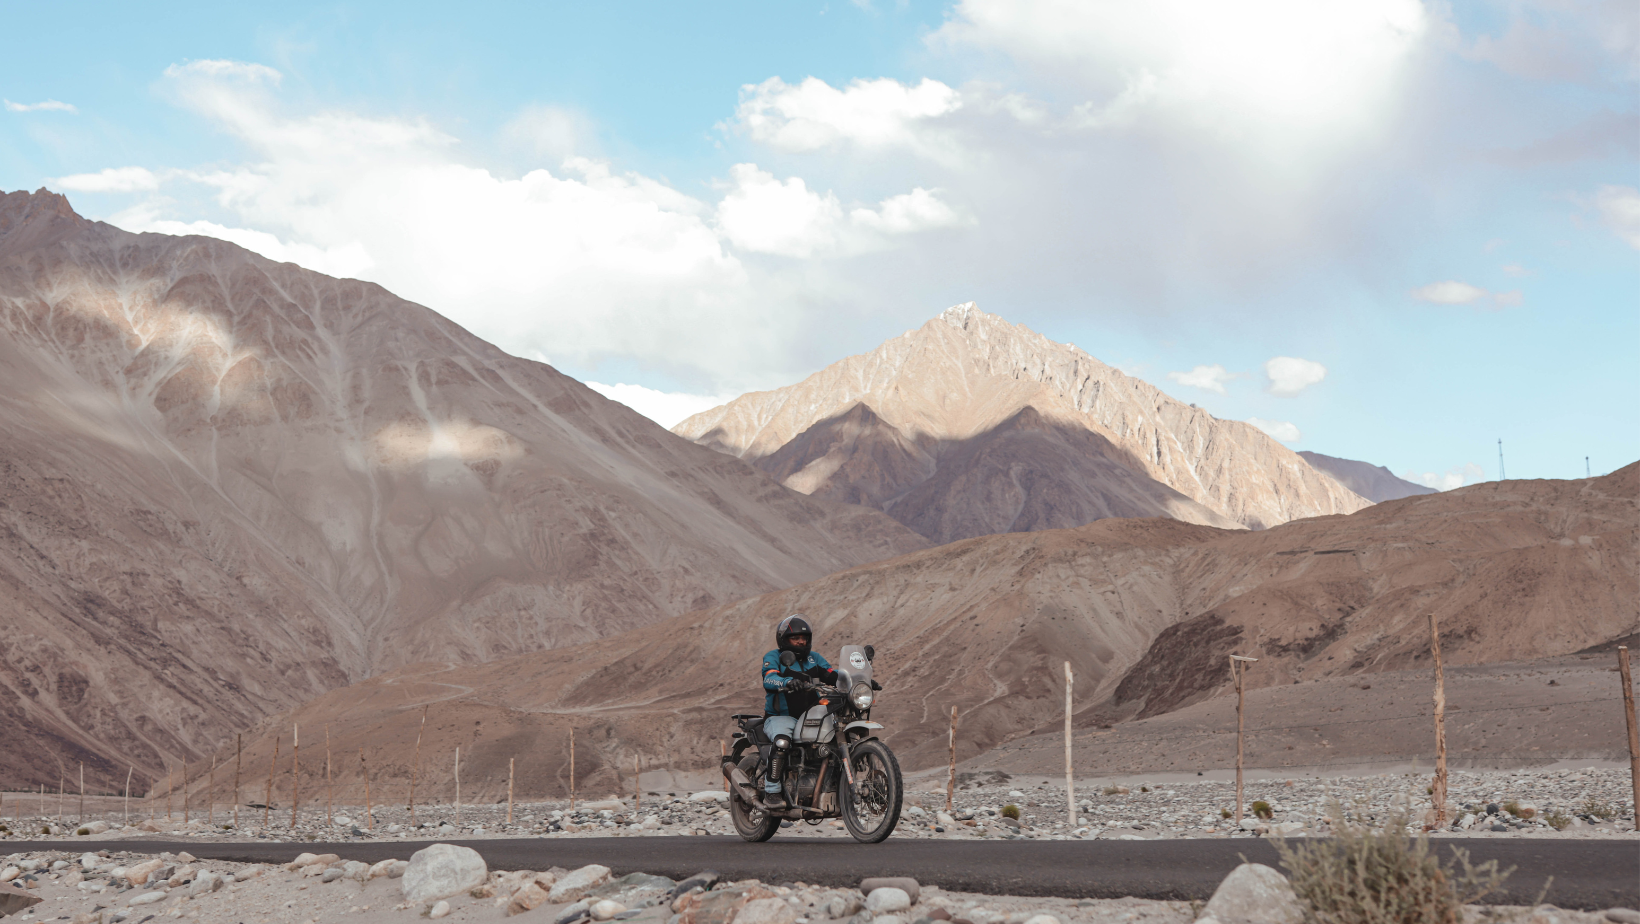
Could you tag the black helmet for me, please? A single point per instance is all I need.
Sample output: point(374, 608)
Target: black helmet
point(792, 625)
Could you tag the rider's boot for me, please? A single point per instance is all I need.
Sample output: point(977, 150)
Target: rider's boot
point(776, 798)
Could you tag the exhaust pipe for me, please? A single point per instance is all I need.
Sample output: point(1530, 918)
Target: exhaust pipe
point(743, 786)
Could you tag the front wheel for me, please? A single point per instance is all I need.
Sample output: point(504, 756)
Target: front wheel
point(751, 823)
point(871, 807)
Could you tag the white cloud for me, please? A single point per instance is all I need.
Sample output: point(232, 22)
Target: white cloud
point(217, 67)
point(1619, 208)
point(1516, 270)
point(1267, 70)
point(1209, 378)
point(785, 217)
point(813, 114)
point(1280, 429)
point(1454, 478)
point(665, 408)
point(50, 105)
point(1449, 292)
point(1289, 376)
point(112, 179)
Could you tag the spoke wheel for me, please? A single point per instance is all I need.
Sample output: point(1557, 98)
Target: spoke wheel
point(871, 807)
point(751, 822)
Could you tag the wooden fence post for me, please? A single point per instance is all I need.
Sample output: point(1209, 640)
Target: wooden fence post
point(369, 817)
point(951, 777)
point(295, 772)
point(170, 784)
point(330, 818)
point(572, 768)
point(267, 797)
point(238, 754)
point(185, 805)
point(1238, 670)
point(1634, 733)
point(416, 767)
point(82, 792)
point(210, 811)
point(509, 789)
point(1070, 778)
point(458, 785)
point(1438, 790)
point(128, 771)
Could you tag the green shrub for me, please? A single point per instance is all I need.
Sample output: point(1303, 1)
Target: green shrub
point(1512, 807)
point(1144, 789)
point(45, 829)
point(1226, 813)
point(1367, 875)
point(1558, 820)
point(1010, 811)
point(82, 832)
point(1262, 809)
point(1598, 809)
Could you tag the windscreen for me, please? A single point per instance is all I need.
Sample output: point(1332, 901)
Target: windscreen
point(852, 667)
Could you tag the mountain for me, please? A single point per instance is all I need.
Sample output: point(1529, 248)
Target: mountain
point(1373, 482)
point(970, 425)
point(228, 485)
point(1146, 610)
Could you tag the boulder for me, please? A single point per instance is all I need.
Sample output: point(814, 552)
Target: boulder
point(147, 898)
point(138, 875)
point(1255, 894)
point(573, 912)
point(575, 885)
point(9, 873)
point(767, 911)
point(440, 871)
point(528, 898)
point(718, 906)
point(887, 900)
point(710, 795)
point(332, 874)
point(904, 883)
point(353, 869)
point(605, 909)
point(1623, 916)
point(13, 900)
point(380, 869)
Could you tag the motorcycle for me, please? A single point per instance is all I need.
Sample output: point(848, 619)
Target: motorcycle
point(835, 768)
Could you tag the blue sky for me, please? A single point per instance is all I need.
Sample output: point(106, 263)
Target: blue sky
point(1387, 230)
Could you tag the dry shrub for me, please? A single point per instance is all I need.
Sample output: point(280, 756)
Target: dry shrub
point(1010, 811)
point(1379, 875)
point(1262, 810)
point(1594, 808)
point(1560, 821)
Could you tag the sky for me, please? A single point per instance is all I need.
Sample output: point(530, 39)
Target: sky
point(1379, 229)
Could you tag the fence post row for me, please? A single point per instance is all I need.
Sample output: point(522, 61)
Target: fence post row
point(1238, 669)
point(951, 778)
point(1070, 781)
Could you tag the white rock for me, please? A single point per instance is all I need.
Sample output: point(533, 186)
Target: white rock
point(943, 819)
point(147, 898)
point(888, 919)
point(606, 909)
point(380, 869)
point(576, 883)
point(1043, 919)
point(9, 873)
point(710, 795)
point(1255, 894)
point(917, 812)
point(887, 900)
point(89, 860)
point(768, 911)
point(342, 821)
point(1016, 794)
point(442, 870)
point(652, 823)
point(439, 910)
point(353, 869)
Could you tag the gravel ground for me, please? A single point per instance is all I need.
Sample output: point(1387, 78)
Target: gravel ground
point(90, 889)
point(1515, 803)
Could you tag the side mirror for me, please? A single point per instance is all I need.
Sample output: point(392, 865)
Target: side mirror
point(871, 653)
point(787, 659)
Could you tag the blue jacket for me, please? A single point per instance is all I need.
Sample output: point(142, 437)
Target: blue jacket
point(774, 685)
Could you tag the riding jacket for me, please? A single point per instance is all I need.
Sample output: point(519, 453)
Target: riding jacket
point(775, 699)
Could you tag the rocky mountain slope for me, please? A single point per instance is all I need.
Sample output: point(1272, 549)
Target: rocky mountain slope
point(1373, 482)
point(1146, 610)
point(971, 425)
point(228, 485)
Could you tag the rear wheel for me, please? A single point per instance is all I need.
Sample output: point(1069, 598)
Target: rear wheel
point(751, 822)
point(871, 807)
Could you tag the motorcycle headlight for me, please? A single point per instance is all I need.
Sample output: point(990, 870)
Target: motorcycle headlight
point(861, 695)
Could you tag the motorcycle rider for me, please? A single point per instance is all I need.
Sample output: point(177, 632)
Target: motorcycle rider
point(787, 694)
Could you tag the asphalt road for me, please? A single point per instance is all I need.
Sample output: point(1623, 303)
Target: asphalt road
point(1588, 874)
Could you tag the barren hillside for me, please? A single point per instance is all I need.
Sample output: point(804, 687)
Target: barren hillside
point(971, 425)
point(1145, 609)
point(228, 485)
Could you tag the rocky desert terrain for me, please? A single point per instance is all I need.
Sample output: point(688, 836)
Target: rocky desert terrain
point(1146, 611)
point(228, 485)
point(970, 425)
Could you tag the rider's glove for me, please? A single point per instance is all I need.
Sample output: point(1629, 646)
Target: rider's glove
point(797, 684)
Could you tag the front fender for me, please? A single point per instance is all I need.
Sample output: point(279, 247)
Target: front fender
point(861, 725)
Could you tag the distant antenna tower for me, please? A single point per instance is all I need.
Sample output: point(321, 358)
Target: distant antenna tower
point(1501, 475)
point(1586, 467)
